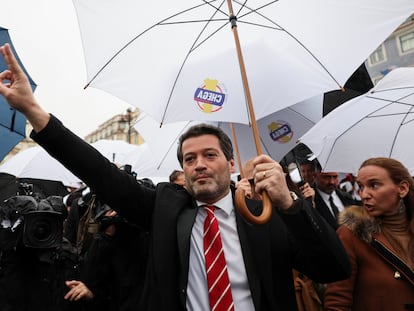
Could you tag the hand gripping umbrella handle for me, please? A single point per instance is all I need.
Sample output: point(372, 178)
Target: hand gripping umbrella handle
point(241, 194)
point(263, 218)
point(240, 198)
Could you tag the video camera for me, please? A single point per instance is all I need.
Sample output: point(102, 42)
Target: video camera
point(37, 223)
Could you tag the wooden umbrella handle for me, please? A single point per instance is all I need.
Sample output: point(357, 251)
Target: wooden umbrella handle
point(263, 218)
point(240, 198)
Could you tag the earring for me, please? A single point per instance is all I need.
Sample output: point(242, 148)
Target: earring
point(401, 208)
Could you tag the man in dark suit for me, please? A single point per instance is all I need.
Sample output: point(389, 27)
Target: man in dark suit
point(259, 258)
point(329, 200)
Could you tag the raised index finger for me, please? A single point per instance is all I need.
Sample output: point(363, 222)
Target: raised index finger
point(10, 59)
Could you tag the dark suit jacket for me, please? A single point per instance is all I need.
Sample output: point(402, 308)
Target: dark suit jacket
point(302, 240)
point(325, 211)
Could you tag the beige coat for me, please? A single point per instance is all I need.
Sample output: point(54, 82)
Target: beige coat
point(375, 284)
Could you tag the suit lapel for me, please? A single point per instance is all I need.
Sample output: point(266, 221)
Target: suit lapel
point(324, 210)
point(256, 259)
point(185, 224)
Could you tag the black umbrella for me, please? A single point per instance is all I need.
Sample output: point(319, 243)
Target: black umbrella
point(11, 186)
point(8, 186)
point(359, 83)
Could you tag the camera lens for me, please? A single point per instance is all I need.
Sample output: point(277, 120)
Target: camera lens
point(42, 230)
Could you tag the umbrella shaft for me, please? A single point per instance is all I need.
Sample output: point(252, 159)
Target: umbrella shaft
point(245, 83)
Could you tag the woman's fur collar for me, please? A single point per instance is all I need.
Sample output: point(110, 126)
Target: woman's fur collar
point(357, 220)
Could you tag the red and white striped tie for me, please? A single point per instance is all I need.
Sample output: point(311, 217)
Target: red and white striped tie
point(219, 290)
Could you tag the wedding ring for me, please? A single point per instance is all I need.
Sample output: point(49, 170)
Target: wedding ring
point(264, 174)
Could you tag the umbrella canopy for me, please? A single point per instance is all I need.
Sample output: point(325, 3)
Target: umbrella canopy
point(12, 122)
point(154, 54)
point(36, 163)
point(278, 134)
point(376, 124)
point(115, 151)
point(135, 56)
point(139, 157)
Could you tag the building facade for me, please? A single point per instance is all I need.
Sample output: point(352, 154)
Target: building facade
point(119, 127)
point(396, 51)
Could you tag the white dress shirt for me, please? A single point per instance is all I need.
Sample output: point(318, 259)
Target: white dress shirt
point(197, 291)
point(337, 201)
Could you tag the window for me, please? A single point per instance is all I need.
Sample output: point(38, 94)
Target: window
point(407, 42)
point(377, 79)
point(378, 56)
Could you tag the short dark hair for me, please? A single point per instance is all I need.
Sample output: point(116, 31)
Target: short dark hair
point(307, 162)
point(206, 129)
point(175, 174)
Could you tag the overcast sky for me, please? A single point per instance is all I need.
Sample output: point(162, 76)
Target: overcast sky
point(46, 36)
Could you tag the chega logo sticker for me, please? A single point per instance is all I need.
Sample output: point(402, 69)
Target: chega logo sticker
point(210, 96)
point(280, 131)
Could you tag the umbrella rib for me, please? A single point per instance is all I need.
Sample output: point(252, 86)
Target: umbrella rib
point(290, 35)
point(115, 55)
point(195, 21)
point(370, 115)
point(300, 114)
point(241, 7)
point(194, 46)
point(399, 128)
point(395, 101)
point(344, 132)
point(218, 9)
point(169, 148)
point(252, 10)
point(260, 25)
point(393, 89)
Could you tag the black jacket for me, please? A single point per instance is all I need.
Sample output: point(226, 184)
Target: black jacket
point(34, 279)
point(114, 269)
point(325, 211)
point(302, 241)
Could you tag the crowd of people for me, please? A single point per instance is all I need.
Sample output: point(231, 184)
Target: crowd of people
point(182, 245)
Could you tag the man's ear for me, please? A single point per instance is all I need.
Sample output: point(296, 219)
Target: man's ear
point(232, 166)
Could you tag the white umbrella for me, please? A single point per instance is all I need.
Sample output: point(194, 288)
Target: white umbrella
point(177, 60)
point(35, 162)
point(153, 53)
point(116, 151)
point(278, 134)
point(140, 157)
point(376, 124)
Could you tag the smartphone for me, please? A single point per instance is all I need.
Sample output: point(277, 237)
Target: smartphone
point(295, 175)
